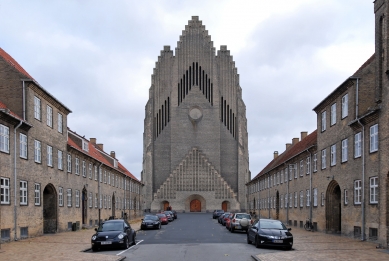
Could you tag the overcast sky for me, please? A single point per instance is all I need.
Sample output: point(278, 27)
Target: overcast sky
point(97, 58)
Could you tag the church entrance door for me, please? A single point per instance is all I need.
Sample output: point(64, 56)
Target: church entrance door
point(165, 205)
point(224, 206)
point(195, 205)
point(333, 208)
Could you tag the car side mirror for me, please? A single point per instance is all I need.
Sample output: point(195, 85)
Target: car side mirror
point(289, 229)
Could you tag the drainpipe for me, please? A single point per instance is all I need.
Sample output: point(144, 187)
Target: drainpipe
point(99, 190)
point(287, 197)
point(15, 180)
point(268, 194)
point(310, 186)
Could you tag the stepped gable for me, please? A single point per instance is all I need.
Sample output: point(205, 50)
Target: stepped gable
point(294, 150)
point(195, 26)
point(195, 173)
point(14, 63)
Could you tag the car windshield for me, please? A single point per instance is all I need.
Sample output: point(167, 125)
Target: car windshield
point(161, 215)
point(151, 218)
point(271, 224)
point(240, 216)
point(111, 226)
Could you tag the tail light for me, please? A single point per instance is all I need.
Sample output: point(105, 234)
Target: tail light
point(233, 220)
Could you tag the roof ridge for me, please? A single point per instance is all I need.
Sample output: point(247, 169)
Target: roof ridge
point(11, 61)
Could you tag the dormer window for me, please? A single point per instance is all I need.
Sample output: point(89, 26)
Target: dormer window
point(115, 163)
point(85, 146)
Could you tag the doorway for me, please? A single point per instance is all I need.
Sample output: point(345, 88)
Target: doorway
point(333, 208)
point(49, 209)
point(195, 205)
point(84, 206)
point(225, 206)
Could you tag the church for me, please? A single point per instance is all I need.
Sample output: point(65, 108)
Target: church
point(195, 141)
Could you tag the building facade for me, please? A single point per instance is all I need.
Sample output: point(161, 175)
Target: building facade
point(48, 173)
point(195, 155)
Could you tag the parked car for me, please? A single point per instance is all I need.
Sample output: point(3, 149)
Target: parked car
point(113, 233)
point(174, 213)
point(224, 217)
point(240, 221)
point(168, 215)
point(150, 221)
point(227, 220)
point(163, 218)
point(270, 232)
point(217, 213)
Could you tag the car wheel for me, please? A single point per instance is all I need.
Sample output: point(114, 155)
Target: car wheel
point(133, 240)
point(95, 249)
point(248, 239)
point(126, 243)
point(257, 245)
point(232, 230)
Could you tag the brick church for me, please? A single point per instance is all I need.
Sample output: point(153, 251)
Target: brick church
point(195, 153)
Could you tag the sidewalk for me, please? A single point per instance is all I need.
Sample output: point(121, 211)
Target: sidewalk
point(320, 246)
point(60, 246)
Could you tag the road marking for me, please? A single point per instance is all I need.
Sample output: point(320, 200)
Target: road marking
point(129, 248)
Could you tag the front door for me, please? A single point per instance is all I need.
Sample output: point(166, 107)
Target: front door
point(224, 206)
point(84, 206)
point(195, 205)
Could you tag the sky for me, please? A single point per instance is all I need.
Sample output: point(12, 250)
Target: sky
point(97, 57)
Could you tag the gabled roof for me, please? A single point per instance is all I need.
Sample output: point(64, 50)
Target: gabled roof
point(291, 152)
point(8, 58)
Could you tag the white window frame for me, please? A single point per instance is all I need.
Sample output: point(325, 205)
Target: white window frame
point(286, 200)
point(37, 108)
point(290, 200)
point(301, 168)
point(77, 166)
point(85, 145)
point(101, 202)
point(69, 197)
point(23, 186)
point(358, 145)
point(315, 162)
point(315, 197)
point(23, 146)
point(90, 170)
point(60, 123)
point(96, 172)
point(322, 199)
point(105, 176)
point(373, 181)
point(333, 155)
point(357, 192)
point(345, 197)
point(100, 175)
point(109, 178)
point(49, 116)
point(333, 114)
point(282, 176)
point(77, 198)
point(345, 106)
point(90, 199)
point(324, 159)
point(96, 200)
point(5, 190)
point(301, 198)
point(84, 169)
point(4, 138)
point(49, 156)
point(308, 198)
point(308, 165)
point(60, 159)
point(344, 150)
point(295, 199)
point(69, 163)
point(37, 194)
point(38, 151)
point(374, 138)
point(286, 175)
point(60, 196)
point(323, 121)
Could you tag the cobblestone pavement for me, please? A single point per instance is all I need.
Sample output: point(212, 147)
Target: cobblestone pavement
point(314, 246)
point(60, 246)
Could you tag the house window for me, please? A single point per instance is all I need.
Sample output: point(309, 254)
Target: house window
point(315, 197)
point(101, 202)
point(85, 146)
point(345, 197)
point(314, 162)
point(100, 175)
point(282, 176)
point(37, 150)
point(49, 116)
point(286, 200)
point(290, 200)
point(105, 201)
point(37, 108)
point(77, 198)
point(109, 178)
point(69, 197)
point(96, 200)
point(69, 163)
point(60, 196)
point(286, 175)
point(95, 172)
point(23, 192)
point(77, 166)
point(322, 199)
point(333, 114)
point(323, 159)
point(301, 168)
point(109, 202)
point(90, 200)
point(374, 138)
point(90, 170)
point(308, 197)
point(4, 190)
point(49, 156)
point(345, 106)
point(83, 169)
point(60, 123)
point(333, 155)
point(37, 194)
point(295, 199)
point(301, 198)
point(344, 150)
point(357, 192)
point(23, 145)
point(105, 176)
point(4, 138)
point(60, 166)
point(374, 190)
point(115, 163)
point(308, 165)
point(323, 121)
point(358, 145)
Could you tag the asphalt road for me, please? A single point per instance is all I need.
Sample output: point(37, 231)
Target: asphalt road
point(191, 237)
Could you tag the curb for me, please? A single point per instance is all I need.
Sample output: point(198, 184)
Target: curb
point(256, 258)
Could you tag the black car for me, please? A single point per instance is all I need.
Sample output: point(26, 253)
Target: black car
point(150, 221)
point(174, 213)
point(113, 233)
point(217, 213)
point(169, 215)
point(270, 232)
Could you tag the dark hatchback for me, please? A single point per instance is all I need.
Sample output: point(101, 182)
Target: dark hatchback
point(216, 213)
point(113, 234)
point(150, 221)
point(270, 232)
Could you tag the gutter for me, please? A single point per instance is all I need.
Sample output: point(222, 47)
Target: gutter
point(15, 182)
point(99, 190)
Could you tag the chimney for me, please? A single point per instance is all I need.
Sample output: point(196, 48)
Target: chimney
point(304, 134)
point(93, 140)
point(295, 141)
point(113, 154)
point(101, 146)
point(288, 145)
point(275, 154)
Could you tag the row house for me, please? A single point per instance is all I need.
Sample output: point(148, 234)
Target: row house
point(46, 169)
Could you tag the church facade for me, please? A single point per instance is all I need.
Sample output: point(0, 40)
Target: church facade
point(195, 154)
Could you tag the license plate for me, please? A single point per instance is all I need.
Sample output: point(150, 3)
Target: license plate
point(278, 241)
point(149, 225)
point(106, 242)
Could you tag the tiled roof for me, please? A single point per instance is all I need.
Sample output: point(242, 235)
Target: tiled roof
point(291, 152)
point(13, 63)
point(3, 106)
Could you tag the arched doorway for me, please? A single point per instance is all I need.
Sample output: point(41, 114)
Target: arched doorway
point(49, 209)
point(113, 205)
point(165, 205)
point(225, 205)
point(333, 208)
point(195, 205)
point(84, 206)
